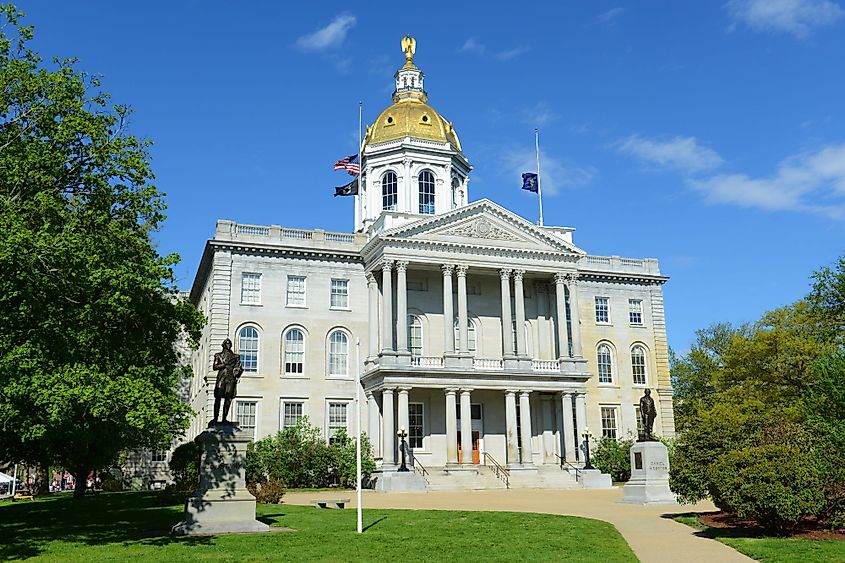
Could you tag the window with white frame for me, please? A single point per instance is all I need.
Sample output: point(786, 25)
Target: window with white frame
point(296, 291)
point(248, 348)
point(415, 425)
point(159, 456)
point(638, 365)
point(604, 361)
point(635, 311)
point(389, 191)
point(294, 351)
point(415, 336)
point(246, 415)
point(603, 310)
point(426, 185)
point(251, 288)
point(340, 294)
point(292, 412)
point(338, 353)
point(609, 426)
point(471, 339)
point(638, 415)
point(337, 419)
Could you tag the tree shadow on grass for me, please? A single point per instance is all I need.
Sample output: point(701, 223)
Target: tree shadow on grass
point(28, 529)
point(705, 531)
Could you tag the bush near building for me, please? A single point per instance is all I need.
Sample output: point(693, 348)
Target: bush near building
point(613, 456)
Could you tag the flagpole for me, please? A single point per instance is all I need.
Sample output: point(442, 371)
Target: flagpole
point(359, 202)
point(358, 434)
point(539, 183)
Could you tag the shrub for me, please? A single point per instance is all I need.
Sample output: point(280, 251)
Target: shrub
point(776, 484)
point(185, 466)
point(268, 492)
point(614, 457)
point(112, 485)
point(343, 459)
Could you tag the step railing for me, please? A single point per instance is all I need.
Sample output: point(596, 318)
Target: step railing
point(498, 469)
point(566, 466)
point(419, 468)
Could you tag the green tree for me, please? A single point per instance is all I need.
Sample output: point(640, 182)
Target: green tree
point(90, 309)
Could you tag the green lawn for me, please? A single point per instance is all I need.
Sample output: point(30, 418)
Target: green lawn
point(130, 526)
point(773, 550)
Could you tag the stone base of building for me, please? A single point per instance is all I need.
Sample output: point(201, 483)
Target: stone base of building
point(398, 482)
point(595, 479)
point(221, 504)
point(649, 483)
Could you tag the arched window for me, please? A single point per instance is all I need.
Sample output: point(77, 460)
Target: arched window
point(638, 365)
point(248, 348)
point(294, 351)
point(415, 336)
point(455, 186)
point(471, 340)
point(338, 353)
point(426, 184)
point(605, 363)
point(389, 189)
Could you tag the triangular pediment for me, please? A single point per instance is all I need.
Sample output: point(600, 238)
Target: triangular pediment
point(483, 223)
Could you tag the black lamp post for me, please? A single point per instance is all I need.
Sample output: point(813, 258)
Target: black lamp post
point(402, 445)
point(586, 434)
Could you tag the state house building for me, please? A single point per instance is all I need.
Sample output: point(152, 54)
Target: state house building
point(492, 340)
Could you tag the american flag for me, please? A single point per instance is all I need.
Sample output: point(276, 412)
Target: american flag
point(348, 163)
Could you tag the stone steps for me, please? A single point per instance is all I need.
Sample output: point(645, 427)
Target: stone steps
point(481, 477)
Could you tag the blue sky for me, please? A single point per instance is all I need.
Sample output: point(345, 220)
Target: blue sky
point(709, 135)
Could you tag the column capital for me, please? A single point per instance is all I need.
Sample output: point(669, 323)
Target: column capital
point(388, 390)
point(451, 390)
point(371, 278)
point(461, 270)
point(505, 273)
point(466, 390)
point(572, 278)
point(524, 392)
point(561, 277)
point(518, 274)
point(401, 265)
point(386, 264)
point(403, 390)
point(447, 269)
point(370, 395)
point(511, 392)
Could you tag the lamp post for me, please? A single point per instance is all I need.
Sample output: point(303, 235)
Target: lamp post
point(586, 434)
point(402, 434)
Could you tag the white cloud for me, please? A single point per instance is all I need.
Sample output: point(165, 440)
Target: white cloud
point(511, 53)
point(555, 174)
point(798, 17)
point(681, 153)
point(329, 36)
point(539, 115)
point(810, 182)
point(475, 47)
point(472, 45)
point(611, 14)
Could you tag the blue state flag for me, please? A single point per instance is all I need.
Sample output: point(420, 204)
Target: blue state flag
point(530, 182)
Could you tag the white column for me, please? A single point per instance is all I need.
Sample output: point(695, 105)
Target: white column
point(451, 427)
point(525, 422)
point(562, 328)
point(373, 424)
point(403, 408)
point(401, 308)
point(566, 428)
point(519, 301)
point(387, 306)
point(576, 315)
point(372, 284)
point(448, 314)
point(511, 429)
point(507, 339)
point(580, 420)
point(462, 309)
point(466, 427)
point(388, 451)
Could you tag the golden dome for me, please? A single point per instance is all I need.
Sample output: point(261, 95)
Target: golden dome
point(411, 118)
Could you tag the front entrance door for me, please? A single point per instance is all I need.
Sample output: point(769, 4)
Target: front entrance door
point(476, 450)
point(477, 433)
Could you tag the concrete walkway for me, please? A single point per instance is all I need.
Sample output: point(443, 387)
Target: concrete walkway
point(652, 537)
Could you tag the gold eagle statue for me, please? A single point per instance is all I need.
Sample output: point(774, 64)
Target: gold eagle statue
point(409, 47)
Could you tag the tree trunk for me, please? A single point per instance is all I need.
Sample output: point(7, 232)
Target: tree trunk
point(42, 480)
point(81, 482)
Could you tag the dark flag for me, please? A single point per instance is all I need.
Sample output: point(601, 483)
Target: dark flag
point(530, 182)
point(349, 189)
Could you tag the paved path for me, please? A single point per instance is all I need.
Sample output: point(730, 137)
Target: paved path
point(652, 537)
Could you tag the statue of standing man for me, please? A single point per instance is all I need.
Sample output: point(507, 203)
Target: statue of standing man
point(648, 412)
point(229, 370)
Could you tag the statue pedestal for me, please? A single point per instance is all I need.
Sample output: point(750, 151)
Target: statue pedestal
point(221, 504)
point(649, 483)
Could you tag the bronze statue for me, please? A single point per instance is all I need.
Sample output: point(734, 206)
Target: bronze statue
point(229, 370)
point(648, 412)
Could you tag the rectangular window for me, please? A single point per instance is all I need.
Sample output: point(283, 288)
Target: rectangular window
point(292, 411)
point(246, 416)
point(603, 310)
point(337, 419)
point(415, 425)
point(296, 291)
point(340, 294)
point(251, 289)
point(639, 420)
point(159, 456)
point(635, 311)
point(608, 422)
